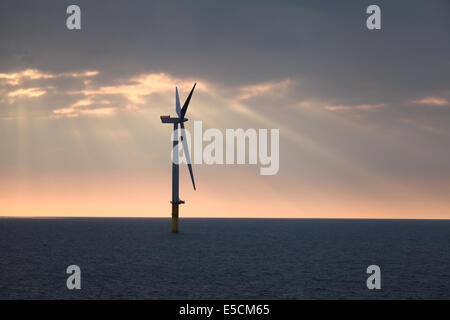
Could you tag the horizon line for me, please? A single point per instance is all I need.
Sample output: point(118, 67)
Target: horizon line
point(261, 218)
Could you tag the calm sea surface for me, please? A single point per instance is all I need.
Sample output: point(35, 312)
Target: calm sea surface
point(224, 258)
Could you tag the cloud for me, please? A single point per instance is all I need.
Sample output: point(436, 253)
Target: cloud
point(29, 92)
point(17, 84)
point(367, 107)
point(65, 111)
point(137, 88)
point(432, 101)
point(16, 78)
point(71, 110)
point(250, 91)
point(80, 74)
point(80, 107)
point(82, 103)
point(99, 111)
point(311, 104)
point(91, 97)
point(133, 92)
point(72, 113)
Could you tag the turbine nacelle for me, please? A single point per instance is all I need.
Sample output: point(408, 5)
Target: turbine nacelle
point(169, 119)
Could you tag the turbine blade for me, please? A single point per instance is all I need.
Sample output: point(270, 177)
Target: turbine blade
point(186, 103)
point(186, 152)
point(178, 108)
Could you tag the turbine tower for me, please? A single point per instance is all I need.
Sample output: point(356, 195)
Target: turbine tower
point(181, 112)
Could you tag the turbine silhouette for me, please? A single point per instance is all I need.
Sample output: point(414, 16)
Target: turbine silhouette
point(181, 112)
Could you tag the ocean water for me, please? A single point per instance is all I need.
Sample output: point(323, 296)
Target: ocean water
point(224, 258)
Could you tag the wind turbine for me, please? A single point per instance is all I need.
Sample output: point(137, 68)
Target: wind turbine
point(181, 112)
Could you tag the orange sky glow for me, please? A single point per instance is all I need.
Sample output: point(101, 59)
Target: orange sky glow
point(147, 195)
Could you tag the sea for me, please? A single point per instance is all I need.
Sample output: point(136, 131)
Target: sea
point(139, 258)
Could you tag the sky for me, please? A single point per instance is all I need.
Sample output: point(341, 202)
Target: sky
point(363, 115)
